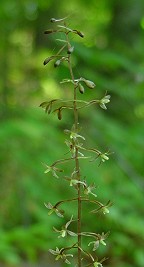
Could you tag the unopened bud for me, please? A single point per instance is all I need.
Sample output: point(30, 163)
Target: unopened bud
point(81, 89)
point(57, 20)
point(49, 31)
point(70, 49)
point(57, 63)
point(59, 114)
point(47, 60)
point(49, 108)
point(79, 33)
point(89, 84)
point(53, 20)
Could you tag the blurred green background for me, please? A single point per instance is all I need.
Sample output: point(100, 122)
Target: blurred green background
point(111, 55)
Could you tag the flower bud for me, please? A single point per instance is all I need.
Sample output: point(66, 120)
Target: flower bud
point(47, 60)
point(57, 20)
point(79, 33)
point(53, 20)
point(57, 63)
point(59, 114)
point(49, 31)
point(89, 84)
point(70, 49)
point(81, 88)
point(48, 108)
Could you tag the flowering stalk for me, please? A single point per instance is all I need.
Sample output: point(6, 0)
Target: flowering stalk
point(77, 168)
point(76, 149)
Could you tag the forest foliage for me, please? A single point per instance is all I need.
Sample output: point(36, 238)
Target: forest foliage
point(112, 56)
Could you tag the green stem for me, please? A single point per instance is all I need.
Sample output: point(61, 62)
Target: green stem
point(77, 167)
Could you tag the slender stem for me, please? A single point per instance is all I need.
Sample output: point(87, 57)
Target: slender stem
point(77, 167)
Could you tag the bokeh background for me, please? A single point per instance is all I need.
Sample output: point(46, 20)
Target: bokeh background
point(111, 55)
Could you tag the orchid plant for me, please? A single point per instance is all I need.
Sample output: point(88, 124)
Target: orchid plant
point(84, 192)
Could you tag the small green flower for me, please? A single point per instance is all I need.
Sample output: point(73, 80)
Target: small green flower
point(103, 208)
point(54, 208)
point(99, 240)
point(53, 170)
point(96, 264)
point(104, 100)
point(64, 231)
point(74, 135)
point(88, 189)
point(95, 244)
point(72, 148)
point(59, 253)
point(104, 156)
point(73, 182)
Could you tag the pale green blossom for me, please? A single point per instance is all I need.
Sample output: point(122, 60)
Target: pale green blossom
point(64, 231)
point(105, 100)
point(54, 209)
point(59, 253)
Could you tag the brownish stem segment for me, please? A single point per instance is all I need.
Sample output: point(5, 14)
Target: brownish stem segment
point(77, 167)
